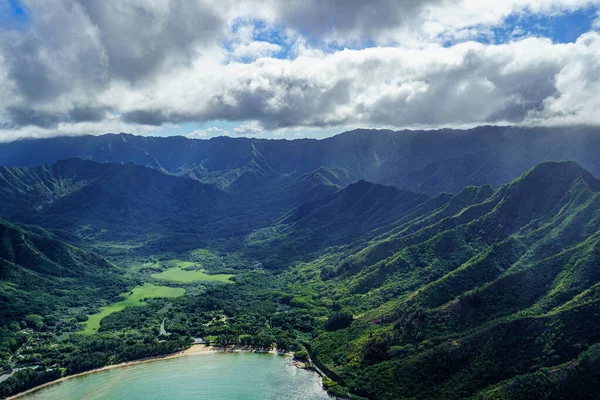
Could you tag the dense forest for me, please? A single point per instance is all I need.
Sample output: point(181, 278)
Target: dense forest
point(461, 277)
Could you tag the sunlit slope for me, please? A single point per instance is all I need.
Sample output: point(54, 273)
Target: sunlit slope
point(460, 300)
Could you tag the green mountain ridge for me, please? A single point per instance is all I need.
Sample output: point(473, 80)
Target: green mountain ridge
point(459, 303)
point(40, 274)
point(490, 293)
point(103, 201)
point(92, 198)
point(336, 219)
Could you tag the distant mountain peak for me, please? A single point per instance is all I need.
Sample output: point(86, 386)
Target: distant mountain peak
point(555, 175)
point(432, 161)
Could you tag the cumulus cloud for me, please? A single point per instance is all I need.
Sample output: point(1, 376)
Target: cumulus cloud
point(57, 63)
point(469, 83)
point(245, 44)
point(408, 22)
point(338, 19)
point(108, 125)
point(577, 99)
point(250, 128)
point(596, 23)
point(467, 18)
point(255, 49)
point(90, 67)
point(212, 131)
point(141, 36)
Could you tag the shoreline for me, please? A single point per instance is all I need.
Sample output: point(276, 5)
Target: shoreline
point(194, 349)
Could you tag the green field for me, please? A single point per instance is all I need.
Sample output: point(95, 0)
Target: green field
point(131, 299)
point(178, 274)
point(136, 267)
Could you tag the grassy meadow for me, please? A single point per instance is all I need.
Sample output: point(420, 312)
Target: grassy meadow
point(131, 299)
point(178, 274)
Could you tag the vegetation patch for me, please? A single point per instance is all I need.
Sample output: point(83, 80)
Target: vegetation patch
point(132, 299)
point(158, 264)
point(181, 274)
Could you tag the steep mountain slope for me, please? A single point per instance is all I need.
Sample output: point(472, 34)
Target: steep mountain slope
point(42, 275)
point(422, 161)
point(455, 302)
point(488, 293)
point(120, 201)
point(127, 202)
point(353, 213)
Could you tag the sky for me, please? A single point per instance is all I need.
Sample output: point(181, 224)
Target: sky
point(294, 68)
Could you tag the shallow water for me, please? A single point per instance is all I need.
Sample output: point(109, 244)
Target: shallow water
point(225, 376)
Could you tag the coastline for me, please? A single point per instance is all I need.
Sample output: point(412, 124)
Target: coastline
point(195, 349)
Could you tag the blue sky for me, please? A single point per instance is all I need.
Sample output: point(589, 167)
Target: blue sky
point(12, 13)
point(564, 27)
point(294, 68)
point(17, 10)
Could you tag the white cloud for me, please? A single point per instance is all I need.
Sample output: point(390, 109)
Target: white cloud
point(245, 45)
point(249, 128)
point(577, 99)
point(403, 22)
point(212, 131)
point(106, 66)
point(596, 23)
point(255, 50)
point(469, 83)
point(453, 17)
point(113, 125)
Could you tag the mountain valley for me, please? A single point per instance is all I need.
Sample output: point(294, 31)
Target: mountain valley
point(404, 265)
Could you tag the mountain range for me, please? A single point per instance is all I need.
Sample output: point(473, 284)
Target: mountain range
point(426, 265)
point(455, 301)
point(422, 161)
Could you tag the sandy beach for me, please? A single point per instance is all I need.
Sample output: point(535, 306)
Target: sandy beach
point(193, 350)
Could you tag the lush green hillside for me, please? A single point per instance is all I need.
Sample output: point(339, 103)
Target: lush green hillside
point(47, 285)
point(486, 294)
point(47, 289)
point(92, 199)
point(504, 287)
point(355, 212)
point(43, 275)
point(126, 202)
point(422, 161)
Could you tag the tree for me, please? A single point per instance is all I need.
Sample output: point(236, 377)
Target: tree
point(34, 321)
point(338, 320)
